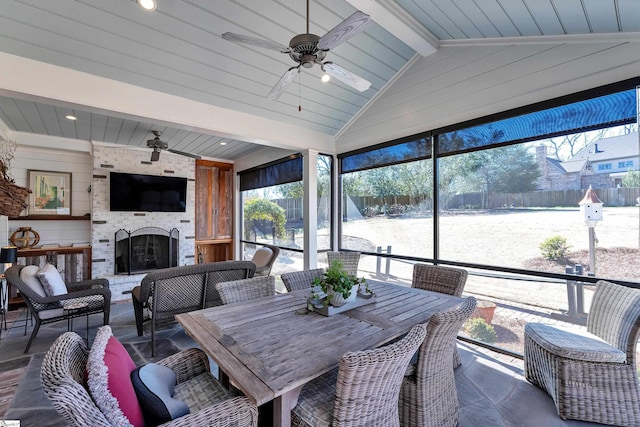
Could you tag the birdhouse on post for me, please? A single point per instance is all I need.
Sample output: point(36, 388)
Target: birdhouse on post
point(591, 208)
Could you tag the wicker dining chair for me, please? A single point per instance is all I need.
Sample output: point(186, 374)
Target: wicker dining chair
point(246, 289)
point(299, 280)
point(436, 278)
point(445, 280)
point(363, 391)
point(591, 375)
point(428, 396)
point(349, 261)
point(63, 379)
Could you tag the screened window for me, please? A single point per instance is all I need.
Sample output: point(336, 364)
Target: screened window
point(508, 208)
point(396, 202)
point(271, 207)
point(603, 111)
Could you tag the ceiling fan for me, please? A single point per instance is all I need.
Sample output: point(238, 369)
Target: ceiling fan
point(309, 49)
point(158, 145)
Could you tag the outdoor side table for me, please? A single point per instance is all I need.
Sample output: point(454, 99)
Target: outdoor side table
point(72, 308)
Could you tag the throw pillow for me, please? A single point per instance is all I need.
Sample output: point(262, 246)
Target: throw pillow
point(154, 385)
point(29, 275)
point(109, 378)
point(51, 281)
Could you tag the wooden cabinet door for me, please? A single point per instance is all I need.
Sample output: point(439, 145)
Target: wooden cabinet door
point(224, 211)
point(214, 200)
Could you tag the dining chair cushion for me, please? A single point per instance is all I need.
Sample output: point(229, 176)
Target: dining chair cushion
point(29, 275)
point(51, 281)
point(574, 344)
point(316, 404)
point(154, 385)
point(201, 391)
point(109, 369)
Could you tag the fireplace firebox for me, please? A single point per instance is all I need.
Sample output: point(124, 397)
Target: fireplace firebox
point(145, 249)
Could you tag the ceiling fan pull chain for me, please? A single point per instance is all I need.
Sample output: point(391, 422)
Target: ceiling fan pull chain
point(299, 79)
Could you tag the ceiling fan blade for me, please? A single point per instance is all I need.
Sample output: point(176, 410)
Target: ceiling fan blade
point(284, 81)
point(348, 28)
point(183, 153)
point(254, 41)
point(346, 76)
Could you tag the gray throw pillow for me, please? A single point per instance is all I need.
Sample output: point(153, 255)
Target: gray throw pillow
point(154, 385)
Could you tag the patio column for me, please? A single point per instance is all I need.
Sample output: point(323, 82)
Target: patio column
point(310, 207)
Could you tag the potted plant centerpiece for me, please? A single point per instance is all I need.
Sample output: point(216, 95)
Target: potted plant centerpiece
point(338, 286)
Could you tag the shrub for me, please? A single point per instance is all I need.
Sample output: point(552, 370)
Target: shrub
point(263, 209)
point(371, 211)
point(554, 248)
point(480, 330)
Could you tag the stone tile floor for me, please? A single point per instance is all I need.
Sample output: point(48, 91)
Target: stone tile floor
point(491, 387)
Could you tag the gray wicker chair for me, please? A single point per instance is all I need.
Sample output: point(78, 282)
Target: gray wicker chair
point(363, 391)
point(436, 278)
point(63, 372)
point(349, 261)
point(428, 396)
point(264, 258)
point(298, 280)
point(95, 293)
point(591, 375)
point(445, 280)
point(246, 289)
point(164, 293)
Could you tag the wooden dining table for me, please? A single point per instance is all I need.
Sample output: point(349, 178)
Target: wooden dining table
point(271, 347)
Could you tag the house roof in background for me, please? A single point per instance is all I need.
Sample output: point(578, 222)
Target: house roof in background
point(615, 147)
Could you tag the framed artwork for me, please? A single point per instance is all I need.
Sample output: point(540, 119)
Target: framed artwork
point(50, 193)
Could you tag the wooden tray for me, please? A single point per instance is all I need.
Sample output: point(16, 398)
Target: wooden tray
point(330, 310)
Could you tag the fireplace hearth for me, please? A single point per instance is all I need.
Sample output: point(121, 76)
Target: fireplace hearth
point(145, 249)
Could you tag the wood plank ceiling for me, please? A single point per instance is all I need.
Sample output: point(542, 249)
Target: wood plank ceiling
point(177, 49)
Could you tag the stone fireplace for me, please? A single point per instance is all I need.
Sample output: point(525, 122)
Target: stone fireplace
point(145, 249)
point(105, 223)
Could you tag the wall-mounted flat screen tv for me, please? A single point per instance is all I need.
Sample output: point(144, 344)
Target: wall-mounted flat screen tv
point(147, 193)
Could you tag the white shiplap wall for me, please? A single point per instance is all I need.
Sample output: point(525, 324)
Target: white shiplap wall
point(32, 154)
point(459, 83)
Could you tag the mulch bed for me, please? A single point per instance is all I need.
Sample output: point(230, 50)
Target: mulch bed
point(612, 263)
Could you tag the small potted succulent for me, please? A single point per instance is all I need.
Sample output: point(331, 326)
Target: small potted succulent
point(338, 286)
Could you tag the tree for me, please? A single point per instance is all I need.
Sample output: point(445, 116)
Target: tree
point(566, 146)
point(293, 190)
point(263, 209)
point(510, 169)
point(631, 179)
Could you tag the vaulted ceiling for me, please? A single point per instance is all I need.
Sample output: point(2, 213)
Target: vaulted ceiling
point(175, 58)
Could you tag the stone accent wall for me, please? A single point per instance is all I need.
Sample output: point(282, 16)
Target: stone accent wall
point(107, 158)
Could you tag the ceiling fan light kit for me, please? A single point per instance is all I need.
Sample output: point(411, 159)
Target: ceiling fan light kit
point(308, 49)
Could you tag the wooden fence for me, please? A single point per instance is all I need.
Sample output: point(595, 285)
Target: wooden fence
point(398, 204)
point(543, 199)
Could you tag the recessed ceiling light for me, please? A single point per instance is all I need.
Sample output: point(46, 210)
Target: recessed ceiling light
point(149, 5)
point(325, 78)
point(70, 117)
point(223, 143)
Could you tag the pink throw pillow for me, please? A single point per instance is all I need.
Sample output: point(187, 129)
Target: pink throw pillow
point(109, 369)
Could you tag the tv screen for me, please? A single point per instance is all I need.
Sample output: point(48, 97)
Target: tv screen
point(147, 193)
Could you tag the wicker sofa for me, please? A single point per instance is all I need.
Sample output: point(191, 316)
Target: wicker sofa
point(170, 291)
